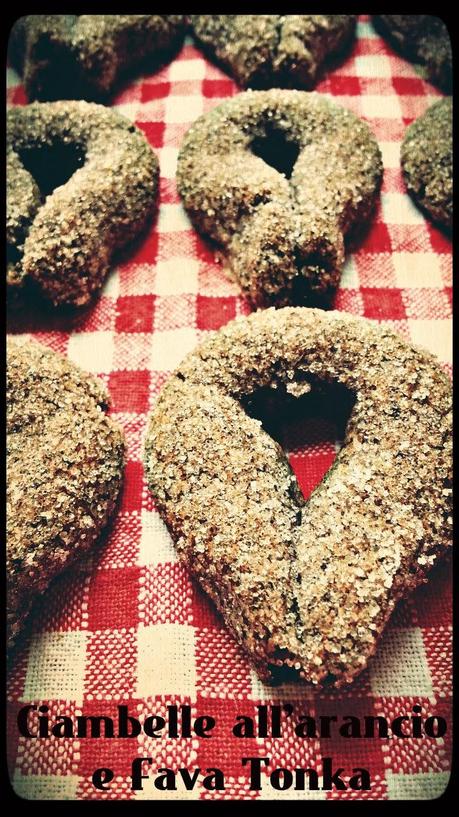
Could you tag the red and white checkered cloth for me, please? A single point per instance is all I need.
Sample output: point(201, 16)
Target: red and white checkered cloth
point(132, 627)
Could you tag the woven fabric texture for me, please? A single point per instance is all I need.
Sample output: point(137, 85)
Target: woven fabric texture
point(129, 626)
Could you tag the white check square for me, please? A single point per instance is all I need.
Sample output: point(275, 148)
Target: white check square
point(93, 351)
point(46, 786)
point(177, 276)
point(56, 667)
point(400, 665)
point(421, 786)
point(350, 277)
point(381, 107)
point(170, 347)
point(112, 284)
point(434, 335)
point(366, 30)
point(417, 270)
point(183, 108)
point(373, 65)
point(12, 78)
point(398, 208)
point(187, 70)
point(156, 545)
point(285, 691)
point(166, 660)
point(390, 154)
point(172, 219)
point(168, 162)
point(128, 109)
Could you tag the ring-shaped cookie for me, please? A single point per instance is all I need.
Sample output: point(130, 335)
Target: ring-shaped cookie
point(85, 56)
point(274, 50)
point(426, 157)
point(277, 178)
point(305, 587)
point(98, 180)
point(65, 461)
point(424, 40)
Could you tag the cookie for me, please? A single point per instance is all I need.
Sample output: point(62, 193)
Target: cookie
point(64, 470)
point(82, 182)
point(277, 179)
point(86, 56)
point(427, 161)
point(423, 39)
point(305, 587)
point(274, 50)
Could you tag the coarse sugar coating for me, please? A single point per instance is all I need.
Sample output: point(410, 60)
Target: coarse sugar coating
point(427, 161)
point(23, 200)
point(423, 39)
point(65, 462)
point(277, 179)
point(305, 587)
point(274, 50)
point(82, 182)
point(86, 56)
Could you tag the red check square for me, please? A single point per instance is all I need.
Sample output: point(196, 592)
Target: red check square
point(212, 313)
point(131, 498)
point(377, 238)
point(343, 85)
point(113, 599)
point(135, 313)
point(310, 470)
point(217, 87)
point(410, 86)
point(130, 391)
point(154, 131)
point(155, 90)
point(383, 303)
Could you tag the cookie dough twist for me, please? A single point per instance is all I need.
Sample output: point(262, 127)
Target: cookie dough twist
point(95, 188)
point(281, 227)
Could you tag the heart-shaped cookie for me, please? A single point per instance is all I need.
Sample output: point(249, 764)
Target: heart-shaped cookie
point(306, 587)
point(85, 56)
point(274, 50)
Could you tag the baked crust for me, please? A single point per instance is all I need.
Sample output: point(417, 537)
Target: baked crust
point(274, 50)
point(85, 56)
point(305, 587)
point(65, 461)
point(427, 161)
point(283, 238)
point(422, 39)
point(63, 240)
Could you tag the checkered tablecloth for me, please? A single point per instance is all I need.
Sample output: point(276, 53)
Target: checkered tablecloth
point(130, 626)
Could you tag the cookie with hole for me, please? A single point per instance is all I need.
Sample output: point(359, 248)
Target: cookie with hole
point(305, 587)
point(87, 56)
point(82, 182)
point(427, 162)
point(277, 179)
point(424, 40)
point(65, 462)
point(275, 50)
